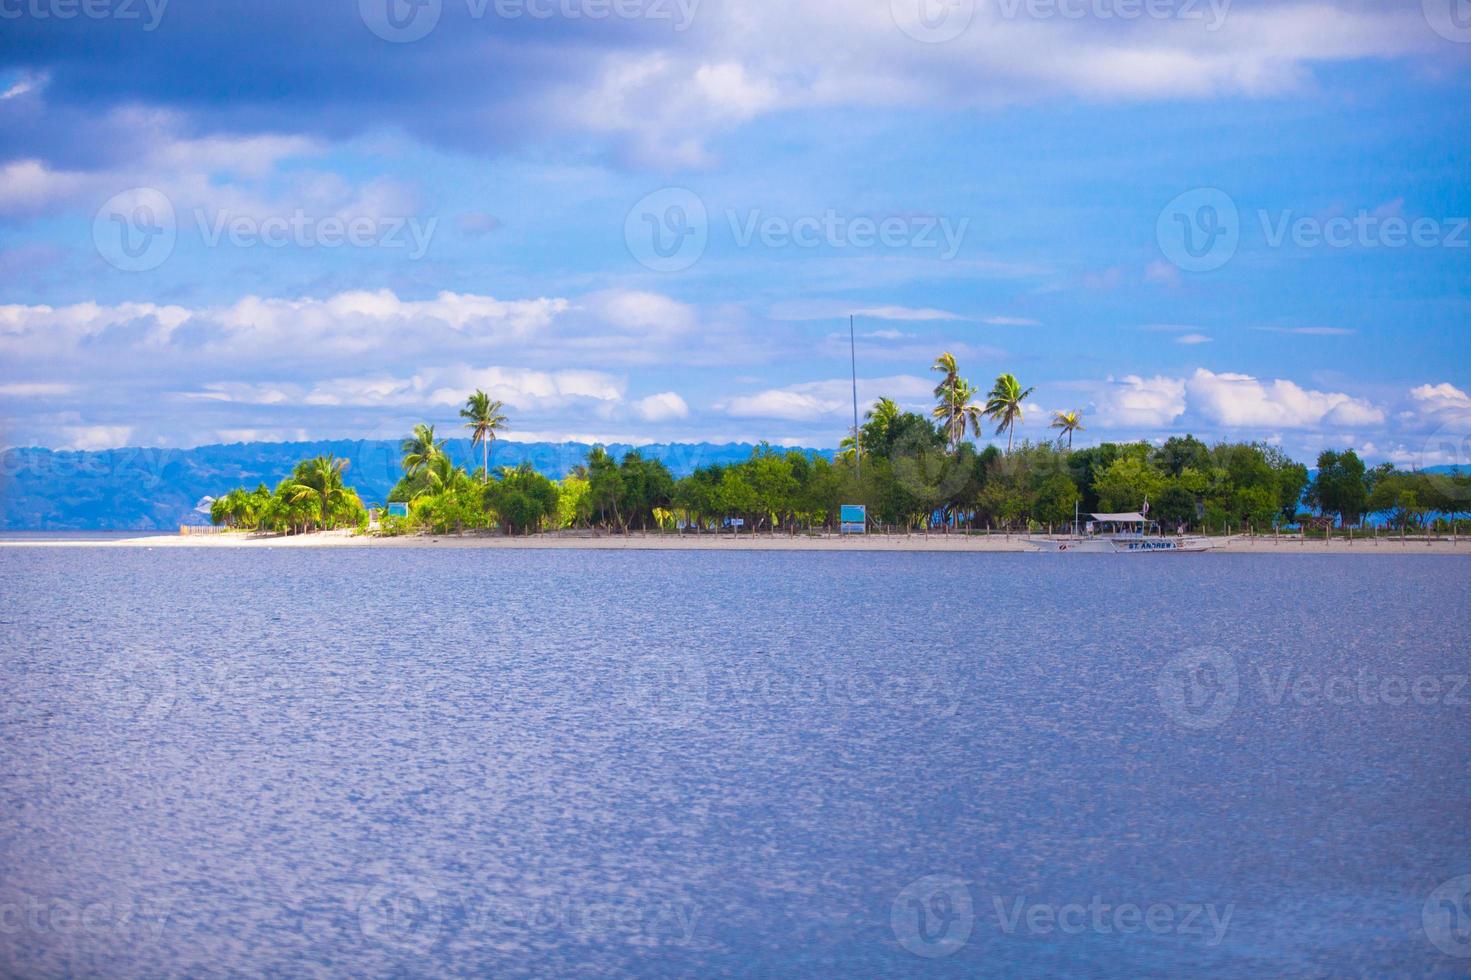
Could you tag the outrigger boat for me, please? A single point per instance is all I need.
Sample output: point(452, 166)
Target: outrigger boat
point(1121, 534)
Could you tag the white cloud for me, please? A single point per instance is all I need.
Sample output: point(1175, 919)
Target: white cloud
point(836, 309)
point(662, 407)
point(444, 387)
point(815, 400)
point(97, 436)
point(1239, 400)
point(34, 389)
point(1136, 402)
point(1443, 404)
point(1192, 338)
point(1311, 331)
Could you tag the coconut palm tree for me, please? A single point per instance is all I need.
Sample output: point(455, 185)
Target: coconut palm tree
point(483, 419)
point(1068, 422)
point(884, 412)
point(420, 449)
point(319, 481)
point(441, 474)
point(959, 412)
point(954, 410)
point(1004, 405)
point(945, 364)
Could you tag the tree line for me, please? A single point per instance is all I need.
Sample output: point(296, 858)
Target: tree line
point(911, 470)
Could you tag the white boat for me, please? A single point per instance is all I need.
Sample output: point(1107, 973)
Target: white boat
point(1116, 534)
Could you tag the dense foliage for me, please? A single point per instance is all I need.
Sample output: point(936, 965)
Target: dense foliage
point(314, 497)
point(911, 470)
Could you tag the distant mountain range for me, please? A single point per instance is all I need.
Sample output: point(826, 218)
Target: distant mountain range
point(158, 489)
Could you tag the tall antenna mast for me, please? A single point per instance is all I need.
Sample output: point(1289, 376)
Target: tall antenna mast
point(853, 354)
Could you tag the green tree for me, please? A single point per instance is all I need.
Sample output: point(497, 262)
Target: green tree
point(1339, 487)
point(484, 419)
point(1126, 484)
point(420, 449)
point(1004, 405)
point(1069, 422)
point(320, 481)
point(955, 409)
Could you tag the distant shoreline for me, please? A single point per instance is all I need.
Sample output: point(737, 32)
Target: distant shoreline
point(954, 543)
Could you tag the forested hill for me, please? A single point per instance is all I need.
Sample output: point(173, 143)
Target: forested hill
point(128, 489)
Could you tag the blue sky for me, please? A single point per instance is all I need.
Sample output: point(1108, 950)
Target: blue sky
point(253, 221)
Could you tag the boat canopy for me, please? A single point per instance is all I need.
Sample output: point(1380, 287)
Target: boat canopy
point(1120, 518)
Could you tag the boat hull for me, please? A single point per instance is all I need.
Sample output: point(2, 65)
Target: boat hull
point(1125, 546)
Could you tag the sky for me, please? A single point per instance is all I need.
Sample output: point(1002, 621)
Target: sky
point(650, 220)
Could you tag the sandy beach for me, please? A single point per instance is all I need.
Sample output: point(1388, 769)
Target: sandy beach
point(1383, 545)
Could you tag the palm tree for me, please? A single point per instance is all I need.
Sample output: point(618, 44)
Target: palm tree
point(954, 411)
point(1068, 422)
point(484, 419)
point(420, 449)
point(319, 481)
point(1004, 405)
point(884, 412)
point(441, 474)
point(945, 364)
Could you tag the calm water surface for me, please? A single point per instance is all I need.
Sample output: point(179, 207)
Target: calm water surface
point(404, 762)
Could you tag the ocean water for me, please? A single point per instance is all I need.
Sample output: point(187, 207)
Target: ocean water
point(526, 763)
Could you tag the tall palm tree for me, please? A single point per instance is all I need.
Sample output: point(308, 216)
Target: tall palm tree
point(319, 481)
point(945, 364)
point(1004, 405)
point(1068, 422)
point(420, 449)
point(483, 419)
point(957, 411)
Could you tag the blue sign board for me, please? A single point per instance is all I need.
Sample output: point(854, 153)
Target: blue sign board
point(853, 519)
